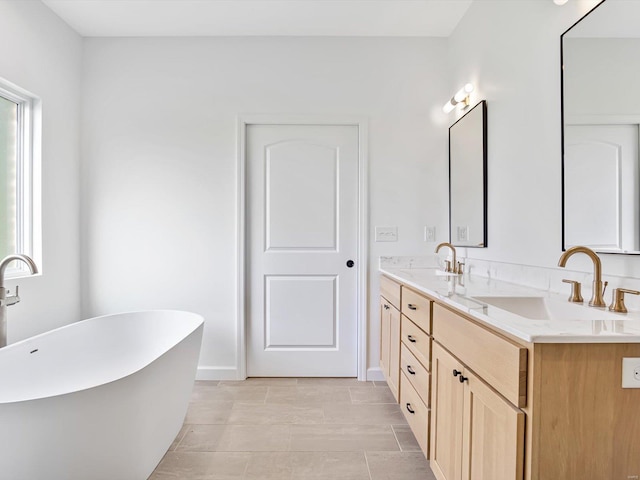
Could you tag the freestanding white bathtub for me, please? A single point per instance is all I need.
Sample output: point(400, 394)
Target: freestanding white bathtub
point(98, 399)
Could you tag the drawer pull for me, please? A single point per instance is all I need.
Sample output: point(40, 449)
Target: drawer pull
point(410, 370)
point(411, 339)
point(412, 306)
point(386, 307)
point(463, 379)
point(456, 372)
point(411, 410)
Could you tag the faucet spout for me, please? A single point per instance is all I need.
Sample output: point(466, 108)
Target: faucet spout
point(12, 300)
point(23, 258)
point(453, 253)
point(597, 299)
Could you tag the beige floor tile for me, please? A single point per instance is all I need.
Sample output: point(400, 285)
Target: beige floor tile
point(406, 438)
point(208, 413)
point(371, 395)
point(179, 437)
point(249, 414)
point(309, 395)
point(380, 383)
point(399, 466)
point(363, 414)
point(201, 438)
point(201, 466)
point(256, 438)
point(260, 381)
point(342, 438)
point(336, 382)
point(225, 393)
point(308, 466)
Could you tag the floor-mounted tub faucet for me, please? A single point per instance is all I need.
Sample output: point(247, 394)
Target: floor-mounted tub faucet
point(5, 299)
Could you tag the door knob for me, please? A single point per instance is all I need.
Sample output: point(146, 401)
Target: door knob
point(350, 263)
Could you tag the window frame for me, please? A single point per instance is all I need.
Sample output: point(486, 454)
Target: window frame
point(28, 176)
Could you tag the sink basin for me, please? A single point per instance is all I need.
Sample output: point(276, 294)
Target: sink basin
point(542, 308)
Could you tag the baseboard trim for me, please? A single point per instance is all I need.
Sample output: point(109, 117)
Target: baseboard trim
point(375, 375)
point(217, 373)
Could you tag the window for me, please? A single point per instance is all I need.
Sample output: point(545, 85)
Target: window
point(19, 139)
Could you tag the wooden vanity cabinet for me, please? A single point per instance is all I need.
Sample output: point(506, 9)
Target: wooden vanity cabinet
point(390, 333)
point(477, 431)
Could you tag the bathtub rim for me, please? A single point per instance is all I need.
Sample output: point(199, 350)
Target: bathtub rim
point(198, 327)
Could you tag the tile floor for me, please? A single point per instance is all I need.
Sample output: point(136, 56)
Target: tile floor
point(294, 429)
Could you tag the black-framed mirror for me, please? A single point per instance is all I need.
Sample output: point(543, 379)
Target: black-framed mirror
point(600, 129)
point(468, 179)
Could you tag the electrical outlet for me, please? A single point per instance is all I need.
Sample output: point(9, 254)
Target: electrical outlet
point(386, 234)
point(429, 234)
point(631, 373)
point(463, 233)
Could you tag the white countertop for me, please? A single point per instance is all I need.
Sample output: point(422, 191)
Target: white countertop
point(565, 322)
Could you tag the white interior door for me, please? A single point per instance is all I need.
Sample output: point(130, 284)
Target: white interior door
point(601, 187)
point(302, 230)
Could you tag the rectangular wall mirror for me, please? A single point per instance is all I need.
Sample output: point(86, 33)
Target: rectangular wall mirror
point(468, 179)
point(600, 129)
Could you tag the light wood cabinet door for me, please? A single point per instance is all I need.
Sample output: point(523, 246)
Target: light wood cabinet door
point(394, 352)
point(492, 434)
point(390, 345)
point(447, 403)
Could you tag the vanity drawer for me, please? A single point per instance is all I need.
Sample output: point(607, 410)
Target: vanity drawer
point(390, 290)
point(410, 402)
point(418, 342)
point(417, 375)
point(417, 308)
point(499, 361)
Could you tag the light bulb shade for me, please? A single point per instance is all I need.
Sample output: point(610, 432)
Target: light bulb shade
point(448, 107)
point(463, 93)
point(560, 2)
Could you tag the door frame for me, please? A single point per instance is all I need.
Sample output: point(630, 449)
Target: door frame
point(361, 256)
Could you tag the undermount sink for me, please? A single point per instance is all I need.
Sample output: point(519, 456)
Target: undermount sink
point(542, 308)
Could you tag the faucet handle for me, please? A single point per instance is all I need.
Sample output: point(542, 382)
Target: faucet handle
point(617, 300)
point(447, 266)
point(576, 293)
point(460, 268)
point(13, 299)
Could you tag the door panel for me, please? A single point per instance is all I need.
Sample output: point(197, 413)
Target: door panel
point(302, 228)
point(493, 441)
point(446, 415)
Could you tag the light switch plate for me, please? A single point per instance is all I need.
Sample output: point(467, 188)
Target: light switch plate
point(631, 373)
point(463, 233)
point(429, 234)
point(386, 234)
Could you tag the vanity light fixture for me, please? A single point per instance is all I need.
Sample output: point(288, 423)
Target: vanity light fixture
point(461, 96)
point(560, 2)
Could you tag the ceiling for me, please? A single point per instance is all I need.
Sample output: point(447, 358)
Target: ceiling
point(142, 18)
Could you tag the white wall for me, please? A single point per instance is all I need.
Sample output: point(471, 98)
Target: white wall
point(41, 54)
point(511, 52)
point(159, 166)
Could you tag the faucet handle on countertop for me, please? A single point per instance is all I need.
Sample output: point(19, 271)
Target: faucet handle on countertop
point(617, 300)
point(460, 268)
point(447, 266)
point(576, 293)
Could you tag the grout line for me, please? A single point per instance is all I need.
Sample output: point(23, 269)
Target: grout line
point(366, 460)
point(396, 437)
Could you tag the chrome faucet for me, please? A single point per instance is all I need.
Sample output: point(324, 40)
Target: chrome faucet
point(451, 266)
point(5, 299)
point(597, 297)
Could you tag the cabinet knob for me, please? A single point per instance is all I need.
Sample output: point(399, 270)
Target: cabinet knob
point(411, 339)
point(410, 370)
point(411, 410)
point(463, 379)
point(456, 372)
point(412, 306)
